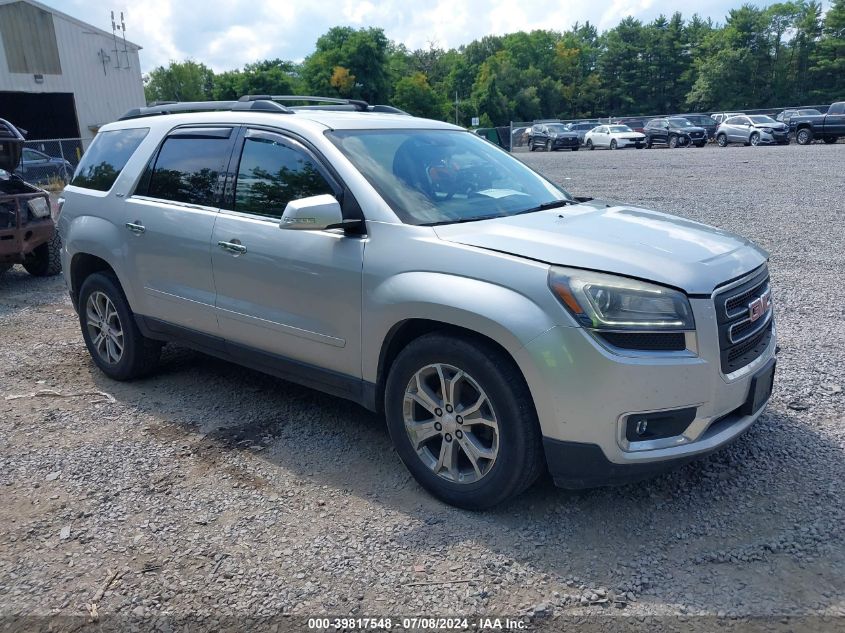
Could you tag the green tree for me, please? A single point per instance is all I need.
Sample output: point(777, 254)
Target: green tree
point(179, 81)
point(828, 58)
point(414, 95)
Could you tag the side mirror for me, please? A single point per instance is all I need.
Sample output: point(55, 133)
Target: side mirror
point(314, 213)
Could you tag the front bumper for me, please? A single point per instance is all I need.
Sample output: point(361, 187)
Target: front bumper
point(565, 143)
point(774, 137)
point(585, 392)
point(631, 142)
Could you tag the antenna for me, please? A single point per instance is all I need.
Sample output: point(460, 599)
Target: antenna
point(123, 28)
point(114, 37)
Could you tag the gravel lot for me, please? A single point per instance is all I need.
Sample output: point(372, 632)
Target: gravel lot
point(214, 491)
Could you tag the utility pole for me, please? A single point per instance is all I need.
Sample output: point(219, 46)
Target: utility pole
point(456, 107)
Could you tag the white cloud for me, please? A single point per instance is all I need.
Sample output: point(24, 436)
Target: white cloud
point(226, 34)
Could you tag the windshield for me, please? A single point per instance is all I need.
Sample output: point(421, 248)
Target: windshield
point(444, 176)
point(700, 120)
point(620, 128)
point(680, 123)
point(760, 118)
point(557, 129)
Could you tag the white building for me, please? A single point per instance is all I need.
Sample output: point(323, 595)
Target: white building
point(61, 77)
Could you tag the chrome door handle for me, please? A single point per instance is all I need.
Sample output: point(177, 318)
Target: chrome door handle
point(232, 247)
point(135, 227)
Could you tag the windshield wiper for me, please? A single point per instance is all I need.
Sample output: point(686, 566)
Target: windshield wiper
point(554, 204)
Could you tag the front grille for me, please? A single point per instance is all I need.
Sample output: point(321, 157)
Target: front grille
point(740, 339)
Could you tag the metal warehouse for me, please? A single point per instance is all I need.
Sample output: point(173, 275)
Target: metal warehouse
point(61, 77)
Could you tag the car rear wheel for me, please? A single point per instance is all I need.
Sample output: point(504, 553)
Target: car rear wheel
point(613, 144)
point(754, 139)
point(110, 332)
point(45, 260)
point(590, 144)
point(462, 420)
point(722, 140)
point(804, 136)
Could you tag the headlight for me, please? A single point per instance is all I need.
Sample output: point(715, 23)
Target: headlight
point(767, 130)
point(608, 302)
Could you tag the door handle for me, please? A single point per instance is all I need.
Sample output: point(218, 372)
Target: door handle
point(135, 227)
point(232, 247)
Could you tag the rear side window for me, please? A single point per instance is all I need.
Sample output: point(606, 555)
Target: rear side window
point(271, 173)
point(106, 157)
point(189, 166)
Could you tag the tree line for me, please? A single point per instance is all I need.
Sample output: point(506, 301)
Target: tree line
point(789, 53)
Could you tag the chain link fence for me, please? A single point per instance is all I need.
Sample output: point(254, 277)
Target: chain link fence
point(50, 163)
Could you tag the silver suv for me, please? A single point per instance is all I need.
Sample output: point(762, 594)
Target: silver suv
point(502, 326)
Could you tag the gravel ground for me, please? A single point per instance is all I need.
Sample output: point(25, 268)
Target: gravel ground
point(212, 491)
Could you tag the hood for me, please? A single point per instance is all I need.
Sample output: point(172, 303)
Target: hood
point(566, 134)
point(623, 240)
point(11, 146)
point(775, 126)
point(694, 128)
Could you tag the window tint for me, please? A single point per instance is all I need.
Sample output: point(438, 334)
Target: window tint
point(188, 168)
point(272, 173)
point(106, 157)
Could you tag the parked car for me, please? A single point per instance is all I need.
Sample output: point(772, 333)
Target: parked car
point(520, 136)
point(721, 117)
point(702, 121)
point(752, 129)
point(27, 228)
point(674, 132)
point(581, 128)
point(501, 325)
point(635, 123)
point(787, 115)
point(39, 168)
point(614, 137)
point(552, 136)
point(828, 127)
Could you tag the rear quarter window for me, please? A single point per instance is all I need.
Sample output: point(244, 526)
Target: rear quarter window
point(106, 157)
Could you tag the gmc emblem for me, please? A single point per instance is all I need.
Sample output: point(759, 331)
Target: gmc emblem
point(758, 307)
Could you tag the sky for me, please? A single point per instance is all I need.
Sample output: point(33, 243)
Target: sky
point(226, 34)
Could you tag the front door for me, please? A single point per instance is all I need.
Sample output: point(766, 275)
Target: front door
point(291, 293)
point(170, 219)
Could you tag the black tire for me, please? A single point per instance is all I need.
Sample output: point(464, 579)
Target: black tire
point(648, 143)
point(754, 139)
point(574, 149)
point(590, 145)
point(530, 145)
point(45, 260)
point(520, 453)
point(140, 354)
point(722, 140)
point(829, 140)
point(804, 136)
point(639, 145)
point(548, 147)
point(673, 142)
point(613, 144)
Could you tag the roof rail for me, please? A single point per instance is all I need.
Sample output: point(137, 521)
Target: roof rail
point(263, 105)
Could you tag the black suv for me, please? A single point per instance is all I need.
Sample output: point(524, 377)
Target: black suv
point(674, 132)
point(552, 136)
point(701, 120)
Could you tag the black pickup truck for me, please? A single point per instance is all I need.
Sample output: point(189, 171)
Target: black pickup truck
point(828, 127)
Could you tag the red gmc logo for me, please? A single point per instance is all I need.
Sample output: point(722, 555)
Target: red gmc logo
point(758, 307)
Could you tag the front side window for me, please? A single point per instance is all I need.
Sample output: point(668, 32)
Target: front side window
point(189, 166)
point(271, 173)
point(444, 176)
point(106, 157)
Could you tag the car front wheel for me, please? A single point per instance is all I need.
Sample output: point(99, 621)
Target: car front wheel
point(110, 332)
point(722, 140)
point(804, 136)
point(462, 420)
point(754, 139)
point(590, 143)
point(673, 142)
point(45, 260)
point(613, 144)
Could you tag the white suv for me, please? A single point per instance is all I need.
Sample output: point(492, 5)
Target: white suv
point(502, 326)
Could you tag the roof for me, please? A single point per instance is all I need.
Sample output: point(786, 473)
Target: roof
point(69, 18)
point(314, 120)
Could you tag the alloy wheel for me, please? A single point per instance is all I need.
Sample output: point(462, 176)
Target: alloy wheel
point(104, 327)
point(450, 423)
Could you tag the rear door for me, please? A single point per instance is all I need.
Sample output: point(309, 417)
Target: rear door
point(834, 123)
point(170, 219)
point(290, 293)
